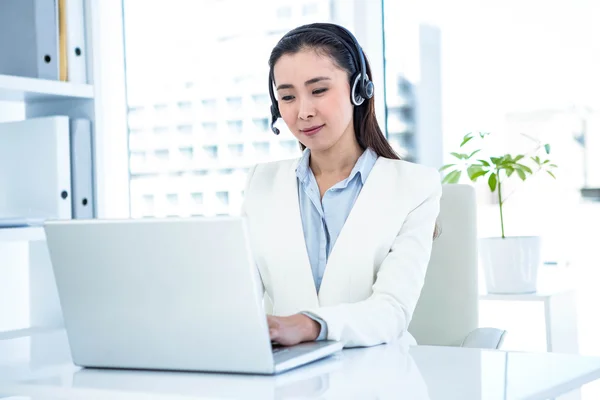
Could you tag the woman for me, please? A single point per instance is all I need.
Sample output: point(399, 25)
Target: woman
point(342, 236)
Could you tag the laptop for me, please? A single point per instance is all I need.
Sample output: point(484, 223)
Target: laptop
point(166, 294)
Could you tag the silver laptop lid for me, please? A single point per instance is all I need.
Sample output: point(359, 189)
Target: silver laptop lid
point(176, 293)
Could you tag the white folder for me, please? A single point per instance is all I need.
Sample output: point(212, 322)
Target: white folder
point(29, 38)
point(76, 49)
point(35, 168)
point(82, 174)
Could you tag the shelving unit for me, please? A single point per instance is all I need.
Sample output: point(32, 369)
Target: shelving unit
point(27, 283)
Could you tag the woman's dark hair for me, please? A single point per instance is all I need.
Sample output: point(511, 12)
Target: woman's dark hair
point(367, 131)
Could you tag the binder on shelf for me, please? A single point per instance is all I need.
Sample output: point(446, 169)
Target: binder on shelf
point(35, 168)
point(29, 38)
point(82, 173)
point(43, 39)
point(75, 41)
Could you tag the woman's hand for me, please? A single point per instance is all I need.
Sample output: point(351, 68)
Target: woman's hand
point(292, 330)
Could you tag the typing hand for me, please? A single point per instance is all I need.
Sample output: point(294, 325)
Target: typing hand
point(292, 330)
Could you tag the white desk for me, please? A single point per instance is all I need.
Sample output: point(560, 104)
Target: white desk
point(39, 367)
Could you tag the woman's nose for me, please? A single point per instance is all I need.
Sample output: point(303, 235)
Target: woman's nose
point(307, 110)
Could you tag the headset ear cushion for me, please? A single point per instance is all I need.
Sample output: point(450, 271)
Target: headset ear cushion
point(355, 94)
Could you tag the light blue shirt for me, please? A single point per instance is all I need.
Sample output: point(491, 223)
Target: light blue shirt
point(323, 219)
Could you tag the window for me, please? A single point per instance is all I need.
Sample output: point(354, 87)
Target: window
point(261, 124)
point(147, 205)
point(160, 130)
point(262, 148)
point(209, 105)
point(211, 152)
point(148, 199)
point(162, 154)
point(209, 128)
point(173, 90)
point(172, 199)
point(507, 70)
point(185, 129)
point(234, 104)
point(223, 198)
point(290, 146)
point(235, 127)
point(134, 111)
point(236, 150)
point(184, 105)
point(198, 198)
point(186, 153)
point(261, 100)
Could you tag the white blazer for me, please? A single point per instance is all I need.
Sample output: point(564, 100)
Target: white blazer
point(376, 269)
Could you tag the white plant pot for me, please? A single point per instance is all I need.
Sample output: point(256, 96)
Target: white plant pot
point(510, 265)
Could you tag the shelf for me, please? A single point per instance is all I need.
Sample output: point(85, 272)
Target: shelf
point(16, 88)
point(29, 234)
point(28, 332)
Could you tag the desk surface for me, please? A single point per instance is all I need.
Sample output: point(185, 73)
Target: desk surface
point(39, 366)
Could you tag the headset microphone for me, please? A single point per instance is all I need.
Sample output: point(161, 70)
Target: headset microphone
point(274, 116)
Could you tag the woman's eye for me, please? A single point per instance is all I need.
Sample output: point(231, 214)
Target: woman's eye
point(287, 98)
point(319, 91)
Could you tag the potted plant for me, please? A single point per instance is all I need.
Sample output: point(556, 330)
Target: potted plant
point(510, 263)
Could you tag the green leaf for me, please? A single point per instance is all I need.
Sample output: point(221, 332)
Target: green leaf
point(551, 174)
point(546, 162)
point(547, 148)
point(484, 163)
point(509, 171)
point(452, 177)
point(477, 175)
point(466, 139)
point(475, 171)
point(492, 181)
point(553, 165)
point(536, 160)
point(473, 153)
point(446, 167)
point(524, 168)
point(496, 160)
point(483, 134)
point(521, 174)
point(519, 157)
point(460, 156)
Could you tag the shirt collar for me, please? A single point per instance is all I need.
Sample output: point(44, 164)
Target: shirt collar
point(363, 166)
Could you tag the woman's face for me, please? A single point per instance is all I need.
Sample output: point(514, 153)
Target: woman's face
point(314, 99)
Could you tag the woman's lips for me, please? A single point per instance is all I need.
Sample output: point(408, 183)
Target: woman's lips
point(313, 130)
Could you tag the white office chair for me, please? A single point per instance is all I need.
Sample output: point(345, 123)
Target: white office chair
point(447, 313)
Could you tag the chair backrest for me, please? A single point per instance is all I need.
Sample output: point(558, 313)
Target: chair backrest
point(447, 310)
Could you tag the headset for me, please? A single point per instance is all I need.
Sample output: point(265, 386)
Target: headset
point(362, 87)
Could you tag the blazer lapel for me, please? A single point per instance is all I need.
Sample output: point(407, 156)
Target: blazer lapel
point(367, 213)
point(296, 275)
